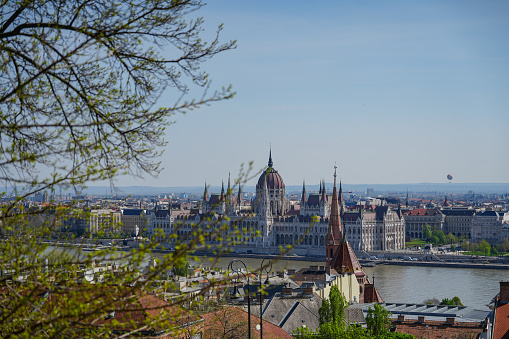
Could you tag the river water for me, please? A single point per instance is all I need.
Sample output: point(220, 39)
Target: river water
point(413, 284)
point(403, 284)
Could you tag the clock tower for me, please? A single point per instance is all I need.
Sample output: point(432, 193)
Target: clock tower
point(334, 233)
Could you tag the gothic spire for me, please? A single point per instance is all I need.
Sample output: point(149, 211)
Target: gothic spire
point(228, 192)
point(303, 199)
point(270, 158)
point(334, 233)
point(222, 190)
point(239, 196)
point(205, 193)
point(324, 192)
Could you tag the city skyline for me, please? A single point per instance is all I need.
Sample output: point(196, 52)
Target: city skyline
point(393, 92)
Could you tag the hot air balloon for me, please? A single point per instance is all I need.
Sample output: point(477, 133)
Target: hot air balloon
point(449, 177)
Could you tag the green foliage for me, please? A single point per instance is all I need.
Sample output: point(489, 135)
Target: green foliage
point(503, 246)
point(426, 232)
point(451, 238)
point(456, 301)
point(79, 85)
point(378, 320)
point(431, 301)
point(453, 247)
point(181, 266)
point(484, 247)
point(332, 314)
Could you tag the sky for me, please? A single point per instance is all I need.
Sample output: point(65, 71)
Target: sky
point(390, 91)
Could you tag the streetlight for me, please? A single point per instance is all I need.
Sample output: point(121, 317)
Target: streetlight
point(236, 296)
point(268, 268)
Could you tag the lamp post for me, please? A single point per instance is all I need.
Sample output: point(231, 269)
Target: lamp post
point(236, 295)
point(268, 268)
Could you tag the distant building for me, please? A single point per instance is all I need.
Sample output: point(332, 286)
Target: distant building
point(378, 230)
point(132, 217)
point(458, 222)
point(417, 218)
point(104, 220)
point(273, 221)
point(491, 226)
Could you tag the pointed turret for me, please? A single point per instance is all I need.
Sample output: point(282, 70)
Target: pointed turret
point(303, 199)
point(239, 196)
point(270, 158)
point(222, 190)
point(205, 194)
point(446, 203)
point(228, 192)
point(324, 193)
point(334, 233)
point(320, 191)
point(406, 202)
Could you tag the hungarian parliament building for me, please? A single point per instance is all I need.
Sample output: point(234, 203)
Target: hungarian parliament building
point(272, 221)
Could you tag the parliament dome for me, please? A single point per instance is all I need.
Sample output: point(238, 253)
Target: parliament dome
point(271, 176)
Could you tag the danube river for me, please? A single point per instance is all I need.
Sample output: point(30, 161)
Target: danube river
point(412, 284)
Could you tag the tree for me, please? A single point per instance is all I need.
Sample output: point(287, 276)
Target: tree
point(80, 83)
point(378, 320)
point(503, 246)
point(456, 301)
point(484, 247)
point(464, 245)
point(426, 232)
point(432, 301)
point(332, 314)
point(451, 238)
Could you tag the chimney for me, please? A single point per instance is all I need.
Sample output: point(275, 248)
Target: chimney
point(313, 268)
point(450, 321)
point(504, 291)
point(287, 292)
point(421, 319)
point(401, 317)
point(327, 269)
point(307, 291)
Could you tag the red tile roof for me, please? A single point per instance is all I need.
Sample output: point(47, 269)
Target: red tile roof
point(232, 320)
point(345, 259)
point(501, 322)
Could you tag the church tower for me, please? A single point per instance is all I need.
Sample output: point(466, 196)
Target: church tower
point(334, 233)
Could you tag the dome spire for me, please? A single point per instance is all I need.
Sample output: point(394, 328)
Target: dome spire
point(270, 157)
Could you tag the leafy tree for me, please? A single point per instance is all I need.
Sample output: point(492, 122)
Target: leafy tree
point(442, 239)
point(464, 245)
point(426, 232)
point(453, 247)
point(432, 301)
point(494, 251)
point(181, 266)
point(79, 89)
point(378, 320)
point(484, 247)
point(332, 314)
point(434, 240)
point(503, 246)
point(474, 247)
point(456, 301)
point(451, 239)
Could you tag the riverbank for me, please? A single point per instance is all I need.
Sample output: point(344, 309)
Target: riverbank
point(496, 266)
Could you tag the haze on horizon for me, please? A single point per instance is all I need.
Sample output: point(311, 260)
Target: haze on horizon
point(392, 91)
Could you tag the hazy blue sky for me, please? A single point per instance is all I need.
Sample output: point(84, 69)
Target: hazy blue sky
point(393, 91)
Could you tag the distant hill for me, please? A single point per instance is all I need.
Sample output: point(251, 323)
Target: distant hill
point(383, 189)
